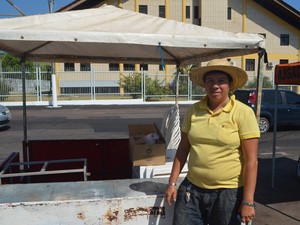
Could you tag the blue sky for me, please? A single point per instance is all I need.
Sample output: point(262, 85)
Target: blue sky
point(29, 7)
point(294, 3)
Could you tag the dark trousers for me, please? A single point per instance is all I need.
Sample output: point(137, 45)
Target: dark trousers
point(198, 206)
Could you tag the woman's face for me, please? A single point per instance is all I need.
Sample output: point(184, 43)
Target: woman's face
point(216, 85)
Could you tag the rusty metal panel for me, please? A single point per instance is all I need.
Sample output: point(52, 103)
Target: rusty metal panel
point(135, 201)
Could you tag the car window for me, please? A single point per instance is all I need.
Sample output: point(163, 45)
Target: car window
point(292, 98)
point(242, 96)
point(268, 97)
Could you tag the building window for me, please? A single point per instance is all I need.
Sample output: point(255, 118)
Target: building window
point(283, 61)
point(114, 67)
point(129, 67)
point(69, 66)
point(144, 67)
point(162, 11)
point(250, 64)
point(196, 12)
point(143, 9)
point(284, 39)
point(85, 67)
point(187, 12)
point(229, 11)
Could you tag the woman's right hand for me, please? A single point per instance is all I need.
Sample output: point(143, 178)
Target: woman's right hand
point(170, 194)
point(179, 161)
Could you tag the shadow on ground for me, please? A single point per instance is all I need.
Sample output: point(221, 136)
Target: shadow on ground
point(286, 185)
point(4, 128)
point(287, 127)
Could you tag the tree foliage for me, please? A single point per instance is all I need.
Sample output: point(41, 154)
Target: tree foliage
point(11, 64)
point(5, 88)
point(12, 67)
point(132, 85)
point(253, 84)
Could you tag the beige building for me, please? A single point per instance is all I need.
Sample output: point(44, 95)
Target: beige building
point(274, 19)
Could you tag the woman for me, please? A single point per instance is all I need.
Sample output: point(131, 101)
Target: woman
point(220, 135)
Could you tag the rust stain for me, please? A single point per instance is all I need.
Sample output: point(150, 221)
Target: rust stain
point(81, 216)
point(132, 212)
point(111, 215)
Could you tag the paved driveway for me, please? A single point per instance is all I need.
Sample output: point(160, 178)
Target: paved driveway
point(278, 206)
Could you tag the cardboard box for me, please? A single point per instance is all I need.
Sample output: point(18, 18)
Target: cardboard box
point(141, 153)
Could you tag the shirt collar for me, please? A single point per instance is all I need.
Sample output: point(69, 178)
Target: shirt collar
point(227, 108)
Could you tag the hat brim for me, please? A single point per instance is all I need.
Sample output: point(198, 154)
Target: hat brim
point(239, 76)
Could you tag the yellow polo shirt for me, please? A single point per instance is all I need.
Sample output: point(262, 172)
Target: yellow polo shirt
point(216, 157)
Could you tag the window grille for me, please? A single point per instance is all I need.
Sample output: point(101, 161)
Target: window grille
point(69, 66)
point(283, 61)
point(229, 13)
point(143, 9)
point(250, 64)
point(85, 67)
point(187, 12)
point(196, 12)
point(114, 67)
point(162, 11)
point(284, 39)
point(129, 67)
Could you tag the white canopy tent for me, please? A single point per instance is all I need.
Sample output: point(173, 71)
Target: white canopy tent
point(110, 34)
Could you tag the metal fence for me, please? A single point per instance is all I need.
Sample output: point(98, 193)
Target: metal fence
point(100, 85)
point(96, 85)
point(37, 85)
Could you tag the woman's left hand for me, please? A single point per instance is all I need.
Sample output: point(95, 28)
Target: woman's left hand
point(247, 213)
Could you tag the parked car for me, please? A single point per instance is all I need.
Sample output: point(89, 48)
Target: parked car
point(5, 116)
point(288, 106)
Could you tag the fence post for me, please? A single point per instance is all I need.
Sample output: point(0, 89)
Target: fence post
point(37, 83)
point(144, 86)
point(93, 83)
point(54, 93)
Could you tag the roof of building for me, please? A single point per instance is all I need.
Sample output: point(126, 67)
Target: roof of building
point(81, 4)
point(282, 10)
point(277, 7)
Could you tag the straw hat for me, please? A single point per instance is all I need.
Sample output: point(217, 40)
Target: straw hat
point(239, 76)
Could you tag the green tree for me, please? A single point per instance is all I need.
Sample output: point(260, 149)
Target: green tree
point(253, 84)
point(183, 82)
point(156, 87)
point(5, 88)
point(132, 85)
point(11, 63)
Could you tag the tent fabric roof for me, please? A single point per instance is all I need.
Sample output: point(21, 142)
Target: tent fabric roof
point(110, 34)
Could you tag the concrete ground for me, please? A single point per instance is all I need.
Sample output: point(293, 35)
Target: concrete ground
point(280, 206)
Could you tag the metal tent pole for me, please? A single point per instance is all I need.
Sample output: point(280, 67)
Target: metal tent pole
point(25, 139)
point(261, 53)
point(274, 138)
point(177, 84)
